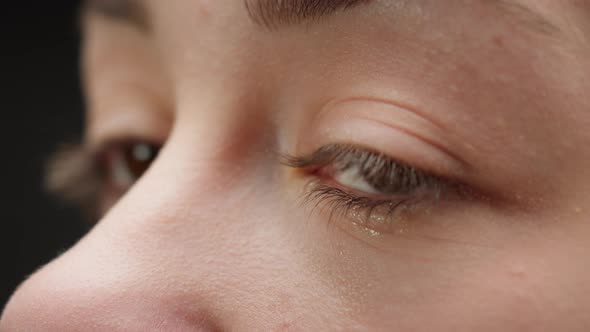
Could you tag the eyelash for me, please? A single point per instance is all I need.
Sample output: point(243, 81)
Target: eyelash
point(84, 177)
point(79, 177)
point(401, 187)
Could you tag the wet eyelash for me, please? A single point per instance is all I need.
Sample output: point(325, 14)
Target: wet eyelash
point(365, 211)
point(400, 185)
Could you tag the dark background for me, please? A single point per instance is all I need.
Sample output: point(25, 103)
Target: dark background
point(40, 106)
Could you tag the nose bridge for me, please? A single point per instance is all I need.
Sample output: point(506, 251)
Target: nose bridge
point(206, 172)
point(178, 218)
point(176, 241)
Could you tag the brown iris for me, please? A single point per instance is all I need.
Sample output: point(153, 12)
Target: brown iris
point(138, 157)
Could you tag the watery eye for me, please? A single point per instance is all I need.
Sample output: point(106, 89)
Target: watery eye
point(370, 173)
point(123, 164)
point(365, 186)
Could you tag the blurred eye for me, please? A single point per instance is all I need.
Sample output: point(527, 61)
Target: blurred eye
point(124, 163)
point(95, 181)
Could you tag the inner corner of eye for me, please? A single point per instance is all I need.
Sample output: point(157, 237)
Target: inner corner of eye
point(304, 171)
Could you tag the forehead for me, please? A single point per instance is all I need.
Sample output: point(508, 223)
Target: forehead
point(454, 59)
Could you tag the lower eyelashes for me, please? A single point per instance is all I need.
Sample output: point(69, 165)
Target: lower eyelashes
point(366, 187)
point(375, 215)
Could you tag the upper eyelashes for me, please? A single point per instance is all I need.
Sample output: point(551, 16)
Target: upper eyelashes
point(364, 170)
point(365, 186)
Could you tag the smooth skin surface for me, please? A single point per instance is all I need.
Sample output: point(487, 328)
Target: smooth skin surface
point(215, 236)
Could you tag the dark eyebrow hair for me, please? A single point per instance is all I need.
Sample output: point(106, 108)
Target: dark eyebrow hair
point(275, 13)
point(272, 13)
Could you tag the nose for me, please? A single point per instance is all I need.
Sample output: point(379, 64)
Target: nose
point(106, 284)
point(198, 244)
point(91, 298)
point(147, 266)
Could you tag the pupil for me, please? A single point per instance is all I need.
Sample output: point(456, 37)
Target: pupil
point(138, 158)
point(143, 152)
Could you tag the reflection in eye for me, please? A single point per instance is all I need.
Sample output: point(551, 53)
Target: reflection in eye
point(123, 164)
point(367, 186)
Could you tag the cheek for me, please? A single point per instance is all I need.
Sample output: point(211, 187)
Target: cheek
point(528, 290)
point(510, 291)
point(527, 277)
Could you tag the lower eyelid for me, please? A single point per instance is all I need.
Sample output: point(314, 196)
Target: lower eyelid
point(375, 214)
point(373, 217)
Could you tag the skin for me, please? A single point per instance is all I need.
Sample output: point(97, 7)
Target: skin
point(214, 236)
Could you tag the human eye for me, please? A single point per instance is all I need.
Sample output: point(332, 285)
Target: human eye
point(129, 115)
point(95, 179)
point(367, 186)
point(121, 164)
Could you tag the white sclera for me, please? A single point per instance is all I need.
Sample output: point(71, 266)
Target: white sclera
point(352, 178)
point(122, 176)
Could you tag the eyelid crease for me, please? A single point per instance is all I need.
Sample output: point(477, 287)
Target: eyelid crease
point(434, 131)
point(396, 104)
point(441, 147)
point(405, 106)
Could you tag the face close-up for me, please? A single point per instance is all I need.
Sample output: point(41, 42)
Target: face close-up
point(326, 165)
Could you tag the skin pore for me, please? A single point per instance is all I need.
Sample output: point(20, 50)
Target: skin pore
point(385, 165)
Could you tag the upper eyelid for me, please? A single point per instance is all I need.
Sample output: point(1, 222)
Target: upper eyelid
point(432, 142)
point(396, 118)
point(400, 105)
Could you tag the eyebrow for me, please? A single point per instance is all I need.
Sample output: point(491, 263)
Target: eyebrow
point(274, 14)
